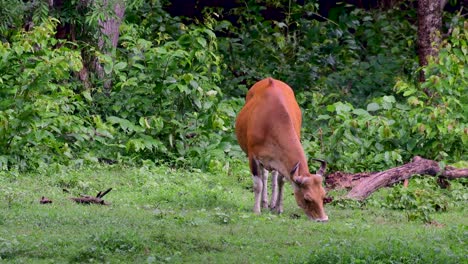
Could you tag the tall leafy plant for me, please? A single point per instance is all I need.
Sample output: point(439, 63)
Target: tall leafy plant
point(11, 15)
point(427, 119)
point(166, 101)
point(40, 119)
point(358, 55)
point(438, 108)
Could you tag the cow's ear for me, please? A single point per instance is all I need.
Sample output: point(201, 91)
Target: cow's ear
point(293, 171)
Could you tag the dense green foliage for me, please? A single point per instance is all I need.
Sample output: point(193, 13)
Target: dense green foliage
point(160, 215)
point(166, 101)
point(177, 85)
point(420, 201)
point(43, 119)
point(357, 57)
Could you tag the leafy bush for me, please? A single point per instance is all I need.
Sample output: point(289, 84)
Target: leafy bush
point(357, 140)
point(358, 55)
point(422, 198)
point(437, 109)
point(177, 88)
point(41, 110)
point(428, 120)
point(383, 42)
point(166, 104)
point(11, 15)
point(418, 202)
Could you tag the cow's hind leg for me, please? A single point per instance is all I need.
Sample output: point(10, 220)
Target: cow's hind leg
point(257, 176)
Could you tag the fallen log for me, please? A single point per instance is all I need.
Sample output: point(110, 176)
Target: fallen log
point(361, 185)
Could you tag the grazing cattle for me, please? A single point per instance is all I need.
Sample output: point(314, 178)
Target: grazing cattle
point(268, 131)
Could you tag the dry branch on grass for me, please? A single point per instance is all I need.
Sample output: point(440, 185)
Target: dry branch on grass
point(45, 200)
point(87, 199)
point(361, 185)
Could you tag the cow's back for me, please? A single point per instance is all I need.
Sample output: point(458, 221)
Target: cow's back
point(270, 110)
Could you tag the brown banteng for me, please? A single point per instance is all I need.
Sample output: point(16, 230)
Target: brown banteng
point(268, 131)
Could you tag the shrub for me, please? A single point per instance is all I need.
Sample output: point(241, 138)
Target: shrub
point(166, 104)
point(42, 109)
point(427, 119)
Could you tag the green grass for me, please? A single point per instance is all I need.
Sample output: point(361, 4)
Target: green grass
point(161, 215)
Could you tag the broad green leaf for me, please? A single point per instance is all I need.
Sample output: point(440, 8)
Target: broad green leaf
point(372, 107)
point(120, 66)
point(202, 42)
point(342, 108)
point(87, 94)
point(103, 133)
point(210, 33)
point(389, 99)
point(413, 101)
point(194, 84)
point(108, 68)
point(144, 122)
point(331, 108)
point(207, 105)
point(323, 117)
point(360, 112)
point(409, 92)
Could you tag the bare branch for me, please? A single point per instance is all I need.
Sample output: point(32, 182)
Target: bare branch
point(87, 199)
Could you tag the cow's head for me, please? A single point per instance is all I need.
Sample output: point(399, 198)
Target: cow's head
point(309, 192)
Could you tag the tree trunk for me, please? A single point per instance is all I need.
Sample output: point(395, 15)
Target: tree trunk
point(364, 184)
point(109, 37)
point(429, 25)
point(110, 26)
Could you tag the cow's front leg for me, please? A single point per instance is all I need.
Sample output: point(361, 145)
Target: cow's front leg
point(279, 201)
point(264, 189)
point(274, 189)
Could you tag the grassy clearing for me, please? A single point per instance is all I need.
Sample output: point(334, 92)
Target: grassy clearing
point(161, 215)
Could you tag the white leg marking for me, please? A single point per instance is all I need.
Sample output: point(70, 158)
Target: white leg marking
point(274, 189)
point(257, 188)
point(265, 188)
point(279, 202)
